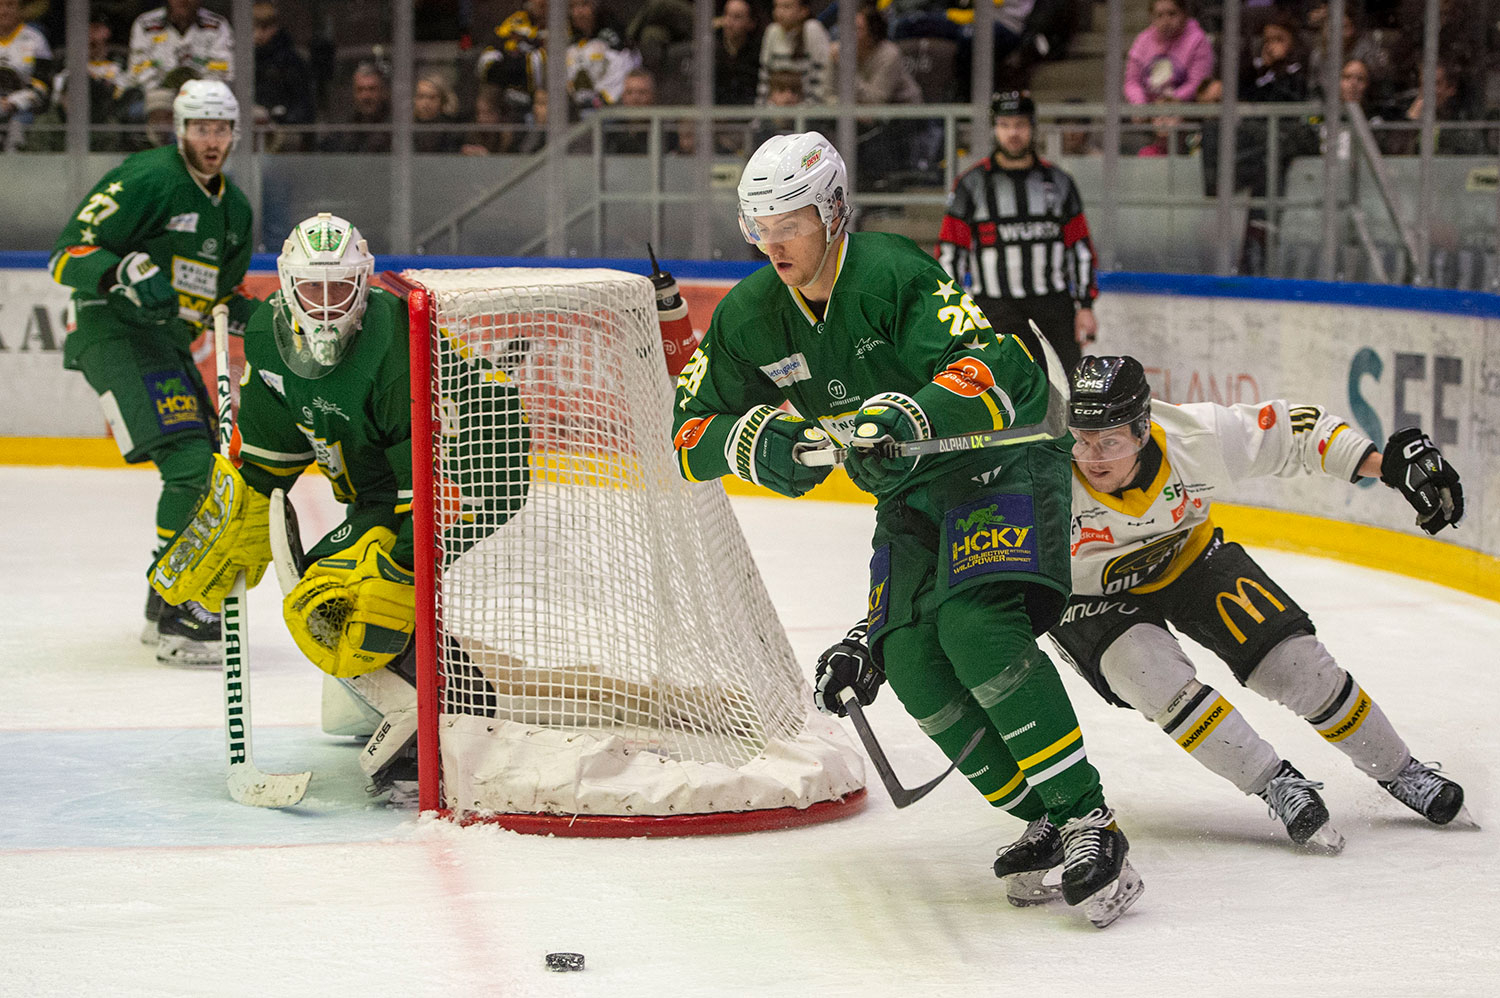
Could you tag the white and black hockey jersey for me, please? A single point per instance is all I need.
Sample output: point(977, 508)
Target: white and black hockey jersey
point(157, 47)
point(25, 69)
point(1142, 539)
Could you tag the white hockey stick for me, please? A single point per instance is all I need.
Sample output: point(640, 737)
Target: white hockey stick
point(286, 542)
point(247, 785)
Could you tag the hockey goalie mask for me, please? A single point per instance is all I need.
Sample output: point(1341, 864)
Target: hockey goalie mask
point(325, 270)
point(786, 173)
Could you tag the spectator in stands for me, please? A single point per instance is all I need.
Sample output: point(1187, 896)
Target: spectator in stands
point(181, 35)
point(283, 83)
point(161, 127)
point(25, 74)
point(372, 106)
point(633, 137)
point(954, 21)
point(1169, 60)
point(507, 62)
point(1359, 44)
point(597, 59)
point(737, 55)
point(1275, 73)
point(433, 102)
point(659, 25)
point(795, 43)
point(489, 116)
point(784, 89)
point(880, 77)
point(1452, 106)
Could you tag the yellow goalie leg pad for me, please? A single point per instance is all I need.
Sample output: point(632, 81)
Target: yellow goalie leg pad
point(229, 533)
point(354, 611)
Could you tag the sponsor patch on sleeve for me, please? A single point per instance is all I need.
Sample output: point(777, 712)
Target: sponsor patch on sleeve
point(993, 534)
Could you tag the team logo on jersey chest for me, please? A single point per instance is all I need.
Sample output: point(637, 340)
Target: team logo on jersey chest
point(1143, 565)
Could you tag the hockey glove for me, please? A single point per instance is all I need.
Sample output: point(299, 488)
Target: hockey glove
point(1412, 464)
point(763, 449)
point(354, 611)
point(847, 664)
point(228, 534)
point(868, 461)
point(143, 294)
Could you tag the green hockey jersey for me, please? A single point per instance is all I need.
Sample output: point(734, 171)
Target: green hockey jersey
point(151, 203)
point(894, 323)
point(355, 423)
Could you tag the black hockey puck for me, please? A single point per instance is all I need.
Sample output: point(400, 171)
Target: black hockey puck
point(564, 961)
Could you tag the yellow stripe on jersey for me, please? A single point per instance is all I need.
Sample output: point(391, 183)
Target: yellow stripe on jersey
point(1032, 761)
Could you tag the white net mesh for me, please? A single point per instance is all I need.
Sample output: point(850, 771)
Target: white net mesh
point(596, 613)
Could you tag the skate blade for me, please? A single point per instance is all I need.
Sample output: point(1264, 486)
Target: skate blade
point(1464, 818)
point(1026, 890)
point(1110, 901)
point(1326, 841)
point(173, 650)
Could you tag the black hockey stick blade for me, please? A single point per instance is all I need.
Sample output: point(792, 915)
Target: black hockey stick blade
point(900, 796)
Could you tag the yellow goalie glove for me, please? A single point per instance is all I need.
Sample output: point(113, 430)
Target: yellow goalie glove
point(354, 611)
point(229, 532)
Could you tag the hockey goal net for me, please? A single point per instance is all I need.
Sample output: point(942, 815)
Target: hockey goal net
point(597, 652)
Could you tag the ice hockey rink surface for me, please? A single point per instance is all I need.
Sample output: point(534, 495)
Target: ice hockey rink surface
point(126, 870)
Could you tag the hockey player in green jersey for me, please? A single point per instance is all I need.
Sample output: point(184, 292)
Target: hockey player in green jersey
point(327, 382)
point(870, 340)
point(159, 241)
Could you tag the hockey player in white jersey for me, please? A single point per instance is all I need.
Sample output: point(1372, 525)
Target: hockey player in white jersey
point(1147, 553)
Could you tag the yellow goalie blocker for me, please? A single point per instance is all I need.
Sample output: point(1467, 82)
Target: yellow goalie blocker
point(354, 611)
point(229, 533)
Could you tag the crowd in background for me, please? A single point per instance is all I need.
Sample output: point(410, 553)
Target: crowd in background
point(488, 95)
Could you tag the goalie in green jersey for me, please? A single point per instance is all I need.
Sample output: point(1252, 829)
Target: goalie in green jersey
point(870, 340)
point(327, 382)
point(160, 240)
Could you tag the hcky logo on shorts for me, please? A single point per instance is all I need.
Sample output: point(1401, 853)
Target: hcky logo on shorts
point(175, 401)
point(880, 590)
point(993, 534)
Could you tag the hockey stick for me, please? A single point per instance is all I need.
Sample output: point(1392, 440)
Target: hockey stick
point(247, 785)
point(286, 542)
point(1053, 426)
point(900, 796)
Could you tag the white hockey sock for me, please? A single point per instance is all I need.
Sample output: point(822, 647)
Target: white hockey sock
point(1211, 731)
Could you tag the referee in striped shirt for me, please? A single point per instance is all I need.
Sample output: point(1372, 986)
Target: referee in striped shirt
point(1014, 231)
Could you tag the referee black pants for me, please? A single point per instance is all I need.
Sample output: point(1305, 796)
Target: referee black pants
point(1053, 314)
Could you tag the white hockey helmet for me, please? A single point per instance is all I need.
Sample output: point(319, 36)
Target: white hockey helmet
point(325, 270)
point(210, 99)
point(789, 172)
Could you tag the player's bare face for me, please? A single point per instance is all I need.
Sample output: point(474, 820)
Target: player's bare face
point(794, 242)
point(206, 145)
point(1107, 458)
point(1013, 136)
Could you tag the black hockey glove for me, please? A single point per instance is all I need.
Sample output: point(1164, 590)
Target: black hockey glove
point(1413, 464)
point(137, 284)
point(847, 664)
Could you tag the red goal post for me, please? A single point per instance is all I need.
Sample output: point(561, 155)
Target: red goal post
point(597, 654)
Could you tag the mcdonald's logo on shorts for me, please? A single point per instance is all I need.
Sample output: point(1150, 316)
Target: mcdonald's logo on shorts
point(1241, 599)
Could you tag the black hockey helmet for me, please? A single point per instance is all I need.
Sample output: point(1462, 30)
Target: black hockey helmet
point(1109, 392)
point(1013, 103)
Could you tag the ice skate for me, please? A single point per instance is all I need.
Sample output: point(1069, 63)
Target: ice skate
point(1096, 873)
point(1420, 787)
point(1294, 800)
point(188, 635)
point(1024, 863)
point(154, 606)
